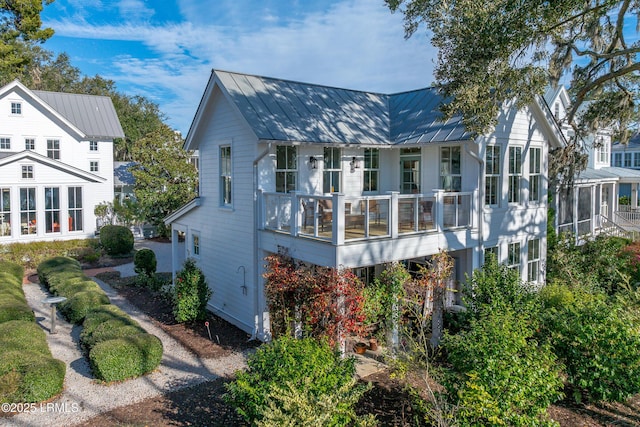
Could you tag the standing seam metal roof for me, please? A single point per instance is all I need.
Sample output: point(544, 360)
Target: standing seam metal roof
point(283, 110)
point(94, 115)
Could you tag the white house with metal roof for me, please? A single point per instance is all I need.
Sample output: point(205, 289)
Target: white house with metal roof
point(56, 162)
point(591, 205)
point(345, 178)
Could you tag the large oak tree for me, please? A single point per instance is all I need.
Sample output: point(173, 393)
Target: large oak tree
point(494, 50)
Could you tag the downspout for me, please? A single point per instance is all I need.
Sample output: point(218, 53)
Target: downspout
point(480, 192)
point(256, 215)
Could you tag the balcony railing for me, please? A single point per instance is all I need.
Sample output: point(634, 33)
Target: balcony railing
point(338, 218)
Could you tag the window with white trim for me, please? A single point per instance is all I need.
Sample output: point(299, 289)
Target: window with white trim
point(53, 149)
point(491, 252)
point(513, 256)
point(286, 168)
point(515, 174)
point(195, 240)
point(492, 175)
point(332, 172)
point(535, 176)
point(225, 175)
point(371, 169)
point(602, 151)
point(450, 169)
point(93, 166)
point(93, 145)
point(75, 208)
point(617, 159)
point(5, 143)
point(52, 209)
point(5, 212)
point(533, 260)
point(28, 210)
point(29, 144)
point(636, 160)
point(27, 171)
point(16, 108)
point(627, 160)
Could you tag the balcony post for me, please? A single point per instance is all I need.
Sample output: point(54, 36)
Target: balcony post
point(295, 213)
point(439, 220)
point(395, 212)
point(337, 229)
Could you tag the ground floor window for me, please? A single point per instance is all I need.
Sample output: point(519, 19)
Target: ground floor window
point(513, 257)
point(5, 212)
point(533, 260)
point(28, 210)
point(75, 208)
point(195, 239)
point(52, 209)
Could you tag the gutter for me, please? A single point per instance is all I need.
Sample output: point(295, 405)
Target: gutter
point(256, 296)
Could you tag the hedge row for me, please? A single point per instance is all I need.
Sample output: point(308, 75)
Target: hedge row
point(117, 346)
point(28, 372)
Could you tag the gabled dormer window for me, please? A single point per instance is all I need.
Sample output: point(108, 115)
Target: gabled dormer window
point(16, 108)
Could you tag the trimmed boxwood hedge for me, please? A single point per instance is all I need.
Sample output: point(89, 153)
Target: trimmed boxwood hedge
point(28, 372)
point(117, 346)
point(127, 357)
point(13, 304)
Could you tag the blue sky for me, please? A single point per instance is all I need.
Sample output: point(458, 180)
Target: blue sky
point(165, 49)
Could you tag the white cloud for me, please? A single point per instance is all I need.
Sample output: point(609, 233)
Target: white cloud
point(134, 9)
point(356, 44)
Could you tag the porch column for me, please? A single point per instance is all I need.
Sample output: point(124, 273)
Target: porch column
point(174, 253)
point(595, 209)
point(574, 195)
point(295, 213)
point(634, 194)
point(394, 214)
point(337, 230)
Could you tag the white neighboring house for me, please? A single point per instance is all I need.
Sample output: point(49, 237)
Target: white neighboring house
point(591, 206)
point(344, 178)
point(56, 162)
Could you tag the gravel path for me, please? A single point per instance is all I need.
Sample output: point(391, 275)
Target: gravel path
point(83, 397)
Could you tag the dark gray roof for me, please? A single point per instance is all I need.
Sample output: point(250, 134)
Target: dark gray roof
point(94, 115)
point(282, 110)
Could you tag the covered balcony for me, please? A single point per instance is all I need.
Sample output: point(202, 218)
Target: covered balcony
point(340, 219)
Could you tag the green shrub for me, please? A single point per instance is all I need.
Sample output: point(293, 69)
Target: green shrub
point(191, 293)
point(126, 357)
point(31, 254)
point(75, 285)
point(30, 377)
point(28, 373)
point(57, 278)
point(51, 265)
point(109, 330)
point(13, 269)
point(502, 376)
point(75, 308)
point(103, 313)
point(19, 335)
point(116, 239)
point(145, 262)
point(598, 341)
point(293, 381)
point(15, 308)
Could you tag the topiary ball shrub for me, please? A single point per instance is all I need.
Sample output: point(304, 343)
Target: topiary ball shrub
point(191, 293)
point(127, 357)
point(77, 306)
point(116, 239)
point(296, 382)
point(145, 262)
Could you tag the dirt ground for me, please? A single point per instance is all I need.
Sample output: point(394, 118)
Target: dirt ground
point(203, 405)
